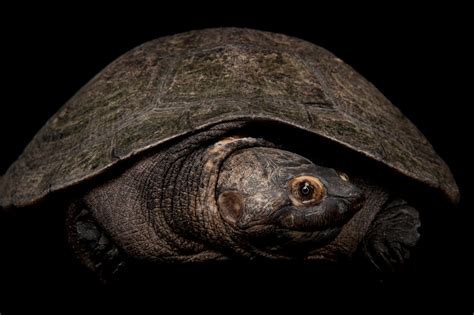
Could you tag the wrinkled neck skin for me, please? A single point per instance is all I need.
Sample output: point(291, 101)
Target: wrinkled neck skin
point(190, 208)
point(164, 207)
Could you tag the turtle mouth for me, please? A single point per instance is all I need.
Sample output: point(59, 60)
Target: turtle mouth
point(305, 241)
point(333, 215)
point(292, 242)
point(259, 226)
point(296, 231)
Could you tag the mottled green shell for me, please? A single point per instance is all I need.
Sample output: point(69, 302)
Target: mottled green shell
point(173, 85)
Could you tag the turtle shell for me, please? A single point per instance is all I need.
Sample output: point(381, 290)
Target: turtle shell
point(178, 84)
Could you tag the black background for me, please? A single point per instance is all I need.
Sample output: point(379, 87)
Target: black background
point(418, 57)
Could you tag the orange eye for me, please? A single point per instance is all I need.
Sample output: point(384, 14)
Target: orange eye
point(306, 191)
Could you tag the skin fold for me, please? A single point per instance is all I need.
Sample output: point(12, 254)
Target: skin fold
point(220, 195)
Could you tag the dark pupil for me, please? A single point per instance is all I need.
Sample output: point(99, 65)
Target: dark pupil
point(306, 189)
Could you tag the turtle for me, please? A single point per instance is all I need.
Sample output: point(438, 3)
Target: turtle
point(231, 144)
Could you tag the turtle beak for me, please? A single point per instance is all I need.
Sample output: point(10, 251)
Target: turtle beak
point(354, 201)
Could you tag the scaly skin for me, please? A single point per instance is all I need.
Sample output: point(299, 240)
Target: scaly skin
point(218, 195)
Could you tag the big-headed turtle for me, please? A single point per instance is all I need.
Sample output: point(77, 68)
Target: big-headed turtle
point(226, 143)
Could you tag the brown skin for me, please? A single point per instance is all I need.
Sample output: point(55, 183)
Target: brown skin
point(212, 197)
point(280, 200)
point(172, 101)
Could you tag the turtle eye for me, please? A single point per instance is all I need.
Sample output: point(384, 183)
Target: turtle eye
point(306, 191)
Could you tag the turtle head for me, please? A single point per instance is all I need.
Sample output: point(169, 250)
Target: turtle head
point(280, 201)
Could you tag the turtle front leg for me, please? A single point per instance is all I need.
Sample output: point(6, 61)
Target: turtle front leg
point(391, 236)
point(90, 243)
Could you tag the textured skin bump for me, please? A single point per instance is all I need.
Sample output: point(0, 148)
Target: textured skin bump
point(163, 207)
point(174, 85)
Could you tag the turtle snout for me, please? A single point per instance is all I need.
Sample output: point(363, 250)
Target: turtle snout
point(354, 199)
